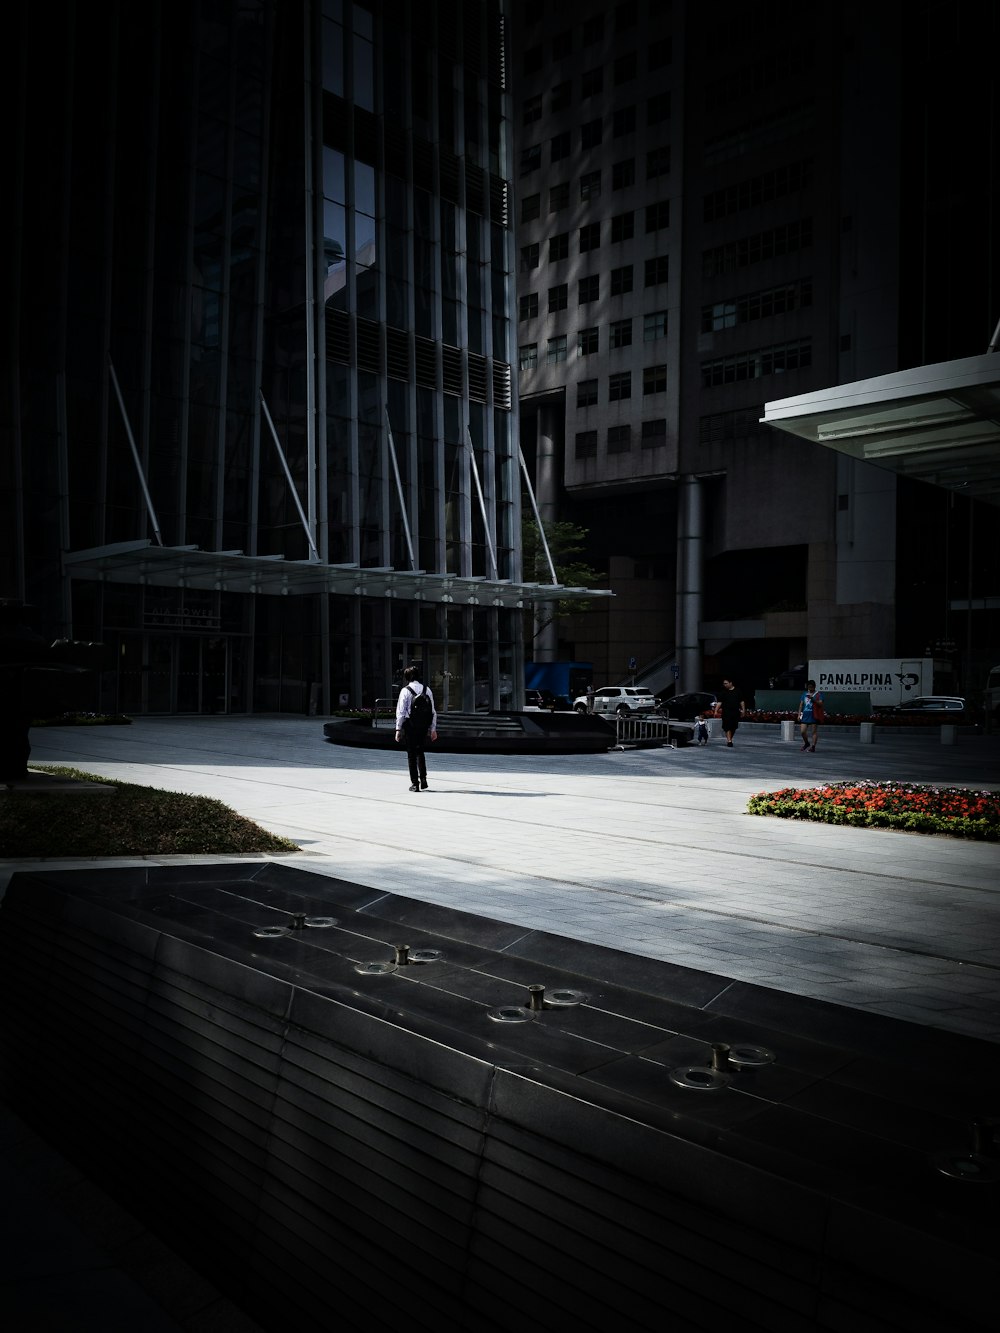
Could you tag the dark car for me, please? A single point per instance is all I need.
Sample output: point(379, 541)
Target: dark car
point(936, 707)
point(686, 707)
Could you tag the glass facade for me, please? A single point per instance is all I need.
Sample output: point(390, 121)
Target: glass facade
point(262, 305)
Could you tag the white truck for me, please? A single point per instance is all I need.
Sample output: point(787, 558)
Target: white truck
point(889, 680)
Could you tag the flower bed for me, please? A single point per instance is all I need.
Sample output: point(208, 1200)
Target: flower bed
point(913, 719)
point(954, 811)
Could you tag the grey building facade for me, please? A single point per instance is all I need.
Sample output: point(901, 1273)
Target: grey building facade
point(720, 205)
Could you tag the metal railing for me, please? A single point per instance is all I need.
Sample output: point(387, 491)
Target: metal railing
point(642, 731)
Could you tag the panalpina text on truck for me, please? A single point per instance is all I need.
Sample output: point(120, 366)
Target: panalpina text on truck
point(889, 681)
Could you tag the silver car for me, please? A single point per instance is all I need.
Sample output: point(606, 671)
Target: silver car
point(622, 700)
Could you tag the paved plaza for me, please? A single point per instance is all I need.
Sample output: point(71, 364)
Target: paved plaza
point(647, 851)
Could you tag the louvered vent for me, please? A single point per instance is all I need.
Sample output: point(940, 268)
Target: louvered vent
point(338, 336)
point(501, 385)
point(475, 180)
point(478, 377)
point(425, 361)
point(498, 201)
point(397, 354)
point(451, 184)
point(451, 370)
point(369, 345)
point(498, 50)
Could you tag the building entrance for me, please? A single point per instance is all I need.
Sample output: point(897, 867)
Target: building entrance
point(180, 673)
point(443, 669)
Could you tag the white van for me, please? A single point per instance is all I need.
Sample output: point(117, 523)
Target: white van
point(991, 696)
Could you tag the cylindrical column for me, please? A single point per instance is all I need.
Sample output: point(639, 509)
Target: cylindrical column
point(690, 559)
point(550, 431)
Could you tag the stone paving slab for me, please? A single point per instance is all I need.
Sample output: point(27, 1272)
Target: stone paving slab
point(651, 852)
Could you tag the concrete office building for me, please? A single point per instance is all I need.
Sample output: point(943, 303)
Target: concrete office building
point(720, 205)
point(259, 406)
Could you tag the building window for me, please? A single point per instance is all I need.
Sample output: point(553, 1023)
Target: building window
point(529, 257)
point(659, 53)
point(593, 30)
point(559, 98)
point(534, 58)
point(558, 247)
point(654, 326)
point(623, 174)
point(657, 270)
point(590, 185)
point(531, 158)
point(622, 227)
point(531, 207)
point(624, 121)
point(784, 240)
point(619, 439)
point(621, 280)
point(626, 15)
point(591, 82)
point(590, 237)
point(753, 365)
point(531, 109)
point(657, 216)
point(654, 380)
point(591, 134)
point(527, 356)
point(559, 147)
point(556, 350)
point(621, 333)
point(760, 189)
point(589, 289)
point(528, 306)
point(586, 444)
point(587, 342)
point(658, 162)
point(756, 305)
point(625, 68)
point(562, 44)
point(654, 433)
point(620, 386)
point(586, 393)
point(558, 196)
point(658, 109)
point(558, 297)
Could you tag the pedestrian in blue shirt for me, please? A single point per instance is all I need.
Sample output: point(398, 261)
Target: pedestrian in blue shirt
point(810, 715)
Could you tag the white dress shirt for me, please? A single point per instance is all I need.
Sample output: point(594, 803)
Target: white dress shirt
point(405, 702)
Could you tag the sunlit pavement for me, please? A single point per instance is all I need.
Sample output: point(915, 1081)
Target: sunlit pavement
point(647, 851)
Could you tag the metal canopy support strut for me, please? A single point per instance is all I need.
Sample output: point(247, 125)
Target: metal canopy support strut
point(538, 520)
point(135, 454)
point(313, 553)
point(482, 502)
point(399, 489)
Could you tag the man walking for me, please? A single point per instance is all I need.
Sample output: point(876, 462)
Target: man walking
point(732, 710)
point(416, 718)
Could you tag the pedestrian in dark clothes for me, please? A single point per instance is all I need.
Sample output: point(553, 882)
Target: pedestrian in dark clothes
point(732, 710)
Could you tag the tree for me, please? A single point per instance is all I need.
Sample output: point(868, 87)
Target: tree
point(566, 542)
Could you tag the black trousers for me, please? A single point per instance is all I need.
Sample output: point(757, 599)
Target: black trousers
point(415, 758)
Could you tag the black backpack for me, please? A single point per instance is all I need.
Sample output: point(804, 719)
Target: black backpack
point(421, 712)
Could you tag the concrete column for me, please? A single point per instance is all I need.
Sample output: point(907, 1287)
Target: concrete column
point(690, 562)
point(551, 427)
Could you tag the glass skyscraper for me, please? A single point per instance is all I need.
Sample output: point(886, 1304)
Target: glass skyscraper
point(262, 413)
